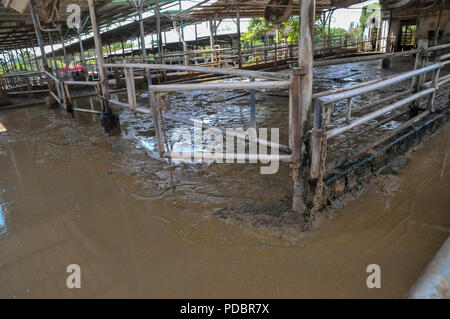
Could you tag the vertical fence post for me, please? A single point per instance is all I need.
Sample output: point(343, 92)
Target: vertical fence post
point(295, 132)
point(156, 116)
point(434, 83)
point(252, 106)
point(415, 83)
point(110, 121)
point(131, 89)
point(349, 110)
point(305, 62)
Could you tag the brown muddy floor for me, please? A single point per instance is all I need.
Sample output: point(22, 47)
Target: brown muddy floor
point(70, 195)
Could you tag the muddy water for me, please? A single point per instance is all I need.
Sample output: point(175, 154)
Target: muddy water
point(68, 194)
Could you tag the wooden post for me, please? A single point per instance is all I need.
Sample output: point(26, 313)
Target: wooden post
point(305, 62)
point(416, 81)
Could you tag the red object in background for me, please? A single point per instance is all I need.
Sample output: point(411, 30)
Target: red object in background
point(71, 68)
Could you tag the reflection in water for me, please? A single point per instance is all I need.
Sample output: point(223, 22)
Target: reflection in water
point(2, 222)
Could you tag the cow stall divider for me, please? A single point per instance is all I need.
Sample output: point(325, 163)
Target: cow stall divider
point(324, 104)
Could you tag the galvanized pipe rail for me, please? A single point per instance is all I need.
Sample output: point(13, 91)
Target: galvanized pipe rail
point(156, 109)
point(319, 132)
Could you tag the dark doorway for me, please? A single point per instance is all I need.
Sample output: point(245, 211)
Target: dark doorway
point(407, 35)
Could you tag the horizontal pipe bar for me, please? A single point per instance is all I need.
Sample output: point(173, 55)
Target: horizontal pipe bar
point(228, 156)
point(86, 110)
point(27, 92)
point(444, 57)
point(379, 85)
point(379, 112)
point(21, 73)
point(354, 86)
point(221, 86)
point(200, 69)
point(92, 83)
point(328, 62)
point(383, 100)
point(124, 104)
point(439, 47)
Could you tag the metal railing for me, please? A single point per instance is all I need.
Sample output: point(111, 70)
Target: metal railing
point(273, 81)
point(323, 104)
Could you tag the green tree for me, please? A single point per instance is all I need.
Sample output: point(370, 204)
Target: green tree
point(256, 31)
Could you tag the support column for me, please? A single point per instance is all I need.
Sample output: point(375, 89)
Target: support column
point(29, 60)
point(304, 98)
point(140, 6)
point(277, 38)
point(35, 58)
point(61, 36)
point(436, 33)
point(53, 52)
point(83, 59)
point(18, 60)
point(323, 33)
point(211, 38)
point(110, 121)
point(159, 38)
point(38, 34)
point(13, 61)
point(238, 24)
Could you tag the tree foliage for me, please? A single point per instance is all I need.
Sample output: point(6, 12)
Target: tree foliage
point(256, 31)
point(367, 11)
